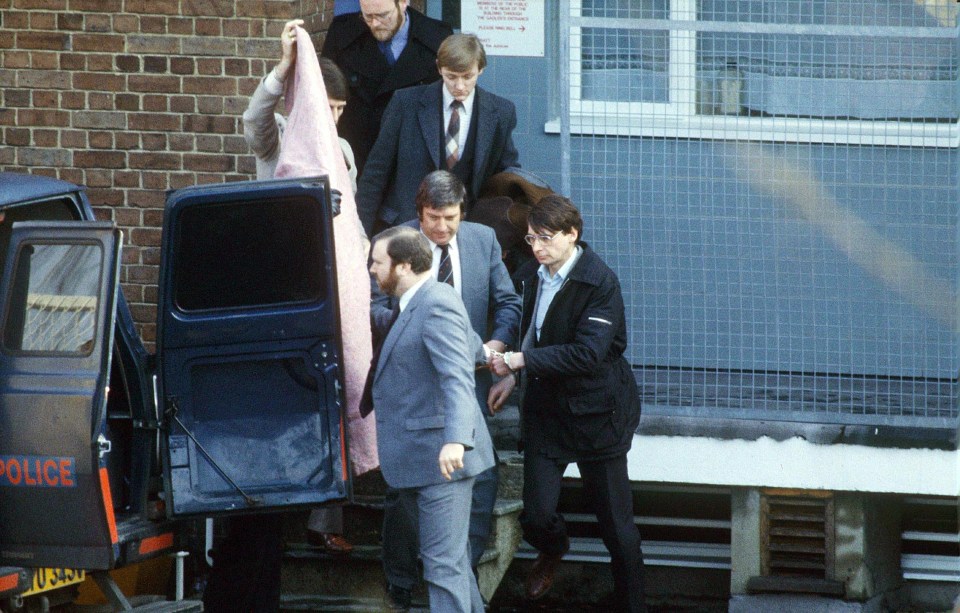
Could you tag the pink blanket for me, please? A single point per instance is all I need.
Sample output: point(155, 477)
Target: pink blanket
point(310, 147)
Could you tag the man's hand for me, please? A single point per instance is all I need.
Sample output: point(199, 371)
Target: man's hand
point(500, 392)
point(499, 363)
point(288, 48)
point(451, 459)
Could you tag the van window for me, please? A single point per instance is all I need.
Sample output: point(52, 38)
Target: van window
point(54, 300)
point(249, 254)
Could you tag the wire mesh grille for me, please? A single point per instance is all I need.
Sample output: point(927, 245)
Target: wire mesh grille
point(776, 184)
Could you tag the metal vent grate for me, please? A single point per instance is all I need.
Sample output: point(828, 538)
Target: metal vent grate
point(797, 535)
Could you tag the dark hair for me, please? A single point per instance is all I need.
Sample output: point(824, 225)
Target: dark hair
point(407, 246)
point(334, 81)
point(554, 213)
point(459, 52)
point(440, 189)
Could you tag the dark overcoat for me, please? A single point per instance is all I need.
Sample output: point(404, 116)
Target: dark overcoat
point(580, 401)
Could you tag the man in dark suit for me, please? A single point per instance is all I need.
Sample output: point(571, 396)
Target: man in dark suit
point(453, 125)
point(432, 437)
point(385, 47)
point(476, 271)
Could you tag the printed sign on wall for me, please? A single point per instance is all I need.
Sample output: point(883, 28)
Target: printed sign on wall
point(506, 27)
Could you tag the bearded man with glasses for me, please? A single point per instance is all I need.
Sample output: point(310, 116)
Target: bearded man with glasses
point(384, 47)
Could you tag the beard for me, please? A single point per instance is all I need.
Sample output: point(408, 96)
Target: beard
point(389, 285)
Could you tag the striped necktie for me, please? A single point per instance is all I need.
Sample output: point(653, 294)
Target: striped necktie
point(453, 134)
point(445, 270)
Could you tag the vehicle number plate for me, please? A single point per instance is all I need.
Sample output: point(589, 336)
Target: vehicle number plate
point(46, 579)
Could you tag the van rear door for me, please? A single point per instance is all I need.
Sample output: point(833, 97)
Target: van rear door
point(59, 292)
point(248, 348)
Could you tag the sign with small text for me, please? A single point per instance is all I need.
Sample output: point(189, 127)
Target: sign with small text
point(505, 27)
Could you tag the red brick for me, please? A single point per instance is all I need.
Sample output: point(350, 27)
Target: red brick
point(153, 44)
point(43, 79)
point(209, 143)
point(16, 59)
point(208, 163)
point(145, 198)
point(46, 99)
point(125, 24)
point(70, 174)
point(126, 216)
point(153, 218)
point(210, 105)
point(105, 197)
point(54, 41)
point(98, 81)
point(8, 117)
point(113, 43)
point(153, 141)
point(128, 63)
point(99, 120)
point(181, 179)
point(98, 23)
point(100, 62)
point(236, 28)
point(223, 86)
point(235, 144)
point(156, 161)
point(151, 256)
point(106, 6)
point(7, 40)
point(73, 139)
point(148, 334)
point(210, 125)
point(31, 156)
point(16, 137)
point(236, 67)
point(98, 101)
point(209, 178)
point(17, 97)
point(235, 105)
point(69, 21)
point(208, 27)
point(256, 47)
point(73, 100)
point(153, 7)
point(152, 24)
point(155, 104)
point(154, 122)
point(180, 25)
point(182, 65)
point(46, 118)
point(44, 60)
point(128, 140)
point(99, 159)
point(73, 61)
point(101, 140)
point(155, 63)
point(219, 8)
point(183, 142)
point(98, 178)
point(214, 47)
point(16, 20)
point(43, 21)
point(156, 84)
point(45, 138)
point(127, 102)
point(155, 180)
point(271, 9)
point(210, 66)
point(183, 104)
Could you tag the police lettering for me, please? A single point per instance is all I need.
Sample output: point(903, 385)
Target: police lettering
point(36, 471)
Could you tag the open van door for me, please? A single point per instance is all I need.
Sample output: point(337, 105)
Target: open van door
point(59, 292)
point(249, 349)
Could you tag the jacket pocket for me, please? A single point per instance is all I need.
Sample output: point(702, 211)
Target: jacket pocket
point(591, 397)
point(424, 423)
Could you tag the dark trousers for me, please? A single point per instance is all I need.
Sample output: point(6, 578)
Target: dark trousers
point(245, 577)
point(607, 487)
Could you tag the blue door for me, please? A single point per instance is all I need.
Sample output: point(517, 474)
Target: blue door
point(60, 294)
point(248, 348)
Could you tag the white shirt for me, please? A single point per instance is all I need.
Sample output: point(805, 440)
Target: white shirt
point(549, 286)
point(465, 113)
point(408, 295)
point(454, 252)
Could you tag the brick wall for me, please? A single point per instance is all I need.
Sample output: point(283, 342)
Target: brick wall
point(133, 97)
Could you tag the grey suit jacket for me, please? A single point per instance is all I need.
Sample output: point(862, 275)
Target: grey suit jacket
point(486, 286)
point(424, 392)
point(408, 148)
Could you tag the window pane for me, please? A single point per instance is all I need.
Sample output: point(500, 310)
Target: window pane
point(626, 65)
point(54, 302)
point(627, 9)
point(243, 254)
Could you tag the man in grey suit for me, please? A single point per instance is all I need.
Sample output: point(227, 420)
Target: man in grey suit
point(453, 125)
point(432, 438)
point(476, 271)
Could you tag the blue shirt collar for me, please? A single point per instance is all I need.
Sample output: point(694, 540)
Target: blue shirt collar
point(561, 275)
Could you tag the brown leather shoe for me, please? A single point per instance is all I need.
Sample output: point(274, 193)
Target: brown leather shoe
point(540, 579)
point(329, 542)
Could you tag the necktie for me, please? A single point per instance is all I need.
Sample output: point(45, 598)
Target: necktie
point(453, 134)
point(366, 399)
point(445, 269)
point(387, 49)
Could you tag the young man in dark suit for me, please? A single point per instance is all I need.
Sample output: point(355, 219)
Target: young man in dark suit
point(384, 47)
point(453, 125)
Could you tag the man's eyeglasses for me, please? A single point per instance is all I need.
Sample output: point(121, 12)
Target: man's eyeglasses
point(383, 17)
point(546, 239)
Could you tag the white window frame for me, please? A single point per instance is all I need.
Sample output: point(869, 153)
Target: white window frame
point(679, 118)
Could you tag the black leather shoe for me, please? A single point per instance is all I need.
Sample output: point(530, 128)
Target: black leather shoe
point(398, 598)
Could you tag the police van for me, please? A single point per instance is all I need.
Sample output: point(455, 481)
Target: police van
point(108, 453)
